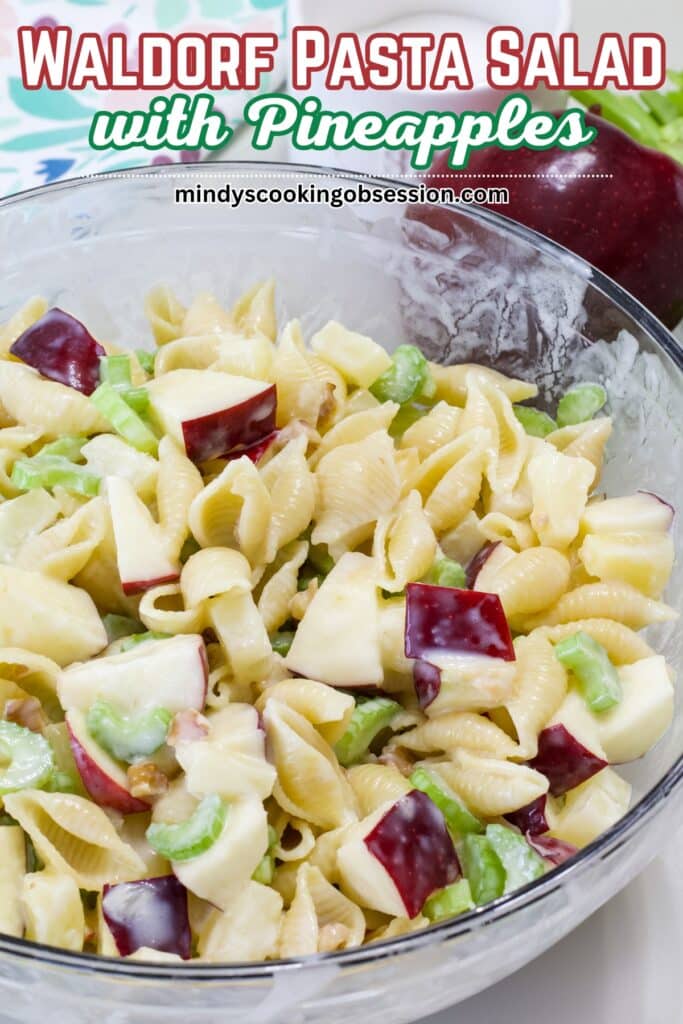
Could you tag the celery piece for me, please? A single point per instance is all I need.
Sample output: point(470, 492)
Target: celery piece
point(446, 573)
point(136, 398)
point(265, 871)
point(535, 422)
point(306, 574)
point(282, 641)
point(580, 404)
point(146, 360)
point(120, 625)
point(123, 419)
point(367, 721)
point(192, 837)
point(128, 738)
point(50, 471)
point(62, 782)
point(405, 417)
point(68, 446)
point(662, 108)
point(320, 558)
point(132, 640)
point(460, 821)
point(521, 862)
point(405, 379)
point(623, 111)
point(27, 757)
point(482, 868)
point(595, 674)
point(449, 902)
point(115, 370)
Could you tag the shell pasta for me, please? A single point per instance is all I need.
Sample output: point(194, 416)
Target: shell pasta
point(304, 644)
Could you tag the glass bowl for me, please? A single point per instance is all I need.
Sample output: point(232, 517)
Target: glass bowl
point(466, 285)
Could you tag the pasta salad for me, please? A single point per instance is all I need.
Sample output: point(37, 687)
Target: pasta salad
point(302, 645)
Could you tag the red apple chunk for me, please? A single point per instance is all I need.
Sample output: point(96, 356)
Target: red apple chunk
point(60, 348)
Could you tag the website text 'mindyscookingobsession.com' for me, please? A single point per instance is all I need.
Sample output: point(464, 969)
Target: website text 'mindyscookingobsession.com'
point(336, 195)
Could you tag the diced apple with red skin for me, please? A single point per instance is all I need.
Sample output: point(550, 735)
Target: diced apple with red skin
point(564, 760)
point(212, 414)
point(555, 851)
point(105, 780)
point(170, 674)
point(642, 512)
point(151, 914)
point(398, 856)
point(60, 348)
point(444, 623)
point(458, 621)
point(142, 554)
point(486, 564)
point(530, 819)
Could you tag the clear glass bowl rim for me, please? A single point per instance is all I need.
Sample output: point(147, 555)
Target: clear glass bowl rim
point(501, 908)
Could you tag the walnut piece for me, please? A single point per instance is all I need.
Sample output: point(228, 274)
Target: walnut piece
point(27, 712)
point(146, 780)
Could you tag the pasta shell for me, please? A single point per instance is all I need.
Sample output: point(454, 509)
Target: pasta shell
point(490, 787)
point(320, 919)
point(75, 837)
point(51, 409)
point(179, 483)
point(355, 427)
point(164, 313)
point(357, 483)
point(300, 754)
point(162, 610)
point(453, 382)
point(254, 312)
point(584, 441)
point(197, 352)
point(328, 709)
point(205, 316)
point(292, 491)
point(450, 732)
point(64, 549)
point(433, 430)
point(248, 929)
point(12, 871)
point(234, 509)
point(623, 646)
point(404, 544)
point(375, 785)
point(608, 600)
point(530, 581)
point(281, 587)
point(541, 686)
point(450, 479)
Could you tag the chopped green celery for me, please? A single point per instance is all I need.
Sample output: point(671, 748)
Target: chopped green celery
point(406, 378)
point(535, 422)
point(367, 721)
point(136, 398)
point(460, 821)
point(120, 625)
point(192, 837)
point(521, 862)
point(146, 360)
point(189, 548)
point(115, 370)
point(141, 638)
point(282, 641)
point(62, 782)
point(306, 574)
point(580, 404)
point(7, 819)
point(623, 111)
point(483, 869)
point(595, 674)
point(128, 738)
point(69, 447)
point(265, 871)
point(320, 558)
point(662, 108)
point(405, 417)
point(449, 902)
point(123, 419)
point(27, 757)
point(50, 471)
point(446, 573)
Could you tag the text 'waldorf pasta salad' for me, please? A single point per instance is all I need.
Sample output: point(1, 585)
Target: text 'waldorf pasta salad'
point(302, 645)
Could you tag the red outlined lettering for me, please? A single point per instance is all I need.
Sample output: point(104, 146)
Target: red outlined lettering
point(611, 63)
point(451, 66)
point(415, 45)
point(310, 52)
point(383, 54)
point(89, 64)
point(117, 56)
point(541, 65)
point(44, 55)
point(504, 46)
point(258, 56)
point(346, 64)
point(652, 70)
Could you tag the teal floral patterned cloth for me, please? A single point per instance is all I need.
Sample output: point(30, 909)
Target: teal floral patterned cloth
point(44, 134)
